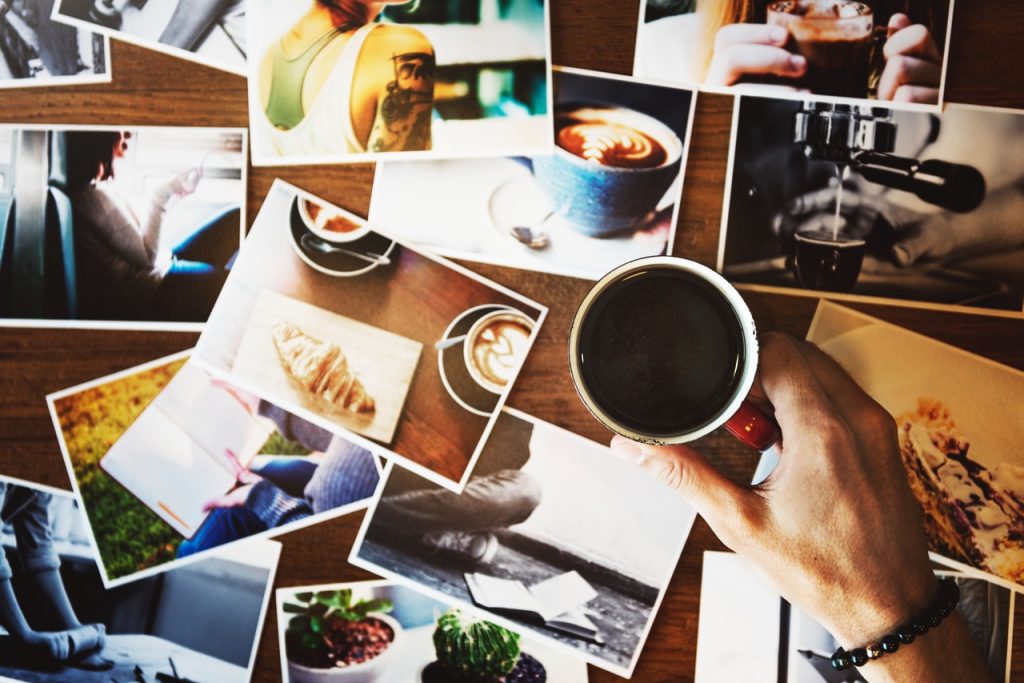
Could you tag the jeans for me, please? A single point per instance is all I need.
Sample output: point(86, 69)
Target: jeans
point(200, 267)
point(224, 525)
point(495, 501)
point(29, 512)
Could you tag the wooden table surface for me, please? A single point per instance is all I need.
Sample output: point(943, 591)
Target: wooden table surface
point(986, 67)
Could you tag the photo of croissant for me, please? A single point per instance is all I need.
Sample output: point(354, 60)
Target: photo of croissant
point(321, 368)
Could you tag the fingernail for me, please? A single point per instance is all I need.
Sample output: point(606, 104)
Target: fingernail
point(778, 34)
point(797, 63)
point(626, 449)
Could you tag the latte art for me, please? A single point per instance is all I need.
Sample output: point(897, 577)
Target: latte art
point(610, 144)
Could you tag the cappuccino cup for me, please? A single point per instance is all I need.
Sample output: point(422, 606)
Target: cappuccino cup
point(663, 350)
point(611, 166)
point(495, 346)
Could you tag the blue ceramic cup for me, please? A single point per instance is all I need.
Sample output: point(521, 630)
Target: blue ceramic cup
point(611, 166)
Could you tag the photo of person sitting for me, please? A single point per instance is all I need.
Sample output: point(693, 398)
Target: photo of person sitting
point(127, 265)
point(34, 50)
point(287, 489)
point(726, 43)
point(339, 82)
point(59, 638)
point(434, 521)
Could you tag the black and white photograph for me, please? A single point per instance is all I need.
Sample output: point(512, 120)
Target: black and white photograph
point(748, 633)
point(170, 464)
point(210, 32)
point(414, 639)
point(553, 535)
point(619, 138)
point(199, 623)
point(127, 228)
point(873, 204)
point(37, 51)
point(892, 51)
point(358, 80)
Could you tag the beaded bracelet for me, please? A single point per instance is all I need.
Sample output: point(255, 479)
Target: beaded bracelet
point(942, 605)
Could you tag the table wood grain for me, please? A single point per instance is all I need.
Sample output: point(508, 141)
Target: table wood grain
point(986, 67)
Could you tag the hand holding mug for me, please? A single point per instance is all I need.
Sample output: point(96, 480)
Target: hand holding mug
point(913, 63)
point(757, 50)
point(833, 526)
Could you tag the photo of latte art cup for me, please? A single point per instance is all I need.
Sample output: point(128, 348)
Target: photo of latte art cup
point(495, 346)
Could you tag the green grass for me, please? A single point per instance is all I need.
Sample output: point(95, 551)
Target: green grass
point(130, 537)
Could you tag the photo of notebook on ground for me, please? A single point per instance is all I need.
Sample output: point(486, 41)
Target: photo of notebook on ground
point(558, 602)
point(174, 457)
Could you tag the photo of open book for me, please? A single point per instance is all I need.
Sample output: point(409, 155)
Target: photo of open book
point(558, 602)
point(174, 457)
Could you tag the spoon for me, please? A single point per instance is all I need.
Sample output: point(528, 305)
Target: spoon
point(535, 237)
point(450, 342)
point(313, 242)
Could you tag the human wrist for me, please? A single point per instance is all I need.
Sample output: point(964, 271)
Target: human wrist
point(883, 607)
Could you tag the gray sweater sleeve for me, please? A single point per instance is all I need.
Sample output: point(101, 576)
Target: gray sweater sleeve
point(347, 474)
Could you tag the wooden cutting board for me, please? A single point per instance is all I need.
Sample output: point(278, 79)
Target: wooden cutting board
point(383, 361)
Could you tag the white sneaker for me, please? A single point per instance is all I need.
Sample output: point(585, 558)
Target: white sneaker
point(478, 547)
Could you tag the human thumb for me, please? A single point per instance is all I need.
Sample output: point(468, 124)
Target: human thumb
point(712, 494)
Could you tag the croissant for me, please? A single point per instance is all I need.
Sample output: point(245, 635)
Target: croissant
point(321, 368)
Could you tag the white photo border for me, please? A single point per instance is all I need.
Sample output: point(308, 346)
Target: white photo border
point(109, 583)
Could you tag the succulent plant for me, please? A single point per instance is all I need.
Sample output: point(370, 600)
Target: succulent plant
point(317, 615)
point(474, 649)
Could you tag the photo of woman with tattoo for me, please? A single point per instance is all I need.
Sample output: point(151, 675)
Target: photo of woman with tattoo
point(343, 80)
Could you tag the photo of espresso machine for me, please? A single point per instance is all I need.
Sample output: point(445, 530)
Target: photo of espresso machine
point(876, 201)
point(863, 138)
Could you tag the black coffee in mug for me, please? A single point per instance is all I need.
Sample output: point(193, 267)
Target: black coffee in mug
point(661, 351)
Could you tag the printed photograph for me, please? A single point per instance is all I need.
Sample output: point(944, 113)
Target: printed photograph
point(367, 336)
point(210, 32)
point(36, 51)
point(170, 463)
point(131, 228)
point(886, 50)
point(341, 81)
point(324, 630)
point(619, 138)
point(865, 203)
point(582, 567)
point(58, 624)
point(747, 632)
point(960, 431)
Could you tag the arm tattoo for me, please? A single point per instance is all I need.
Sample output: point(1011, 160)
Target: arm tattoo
point(405, 109)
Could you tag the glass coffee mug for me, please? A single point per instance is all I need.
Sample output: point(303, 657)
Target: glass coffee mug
point(663, 350)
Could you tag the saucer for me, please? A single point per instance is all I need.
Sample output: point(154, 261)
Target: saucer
point(521, 201)
point(452, 364)
point(337, 264)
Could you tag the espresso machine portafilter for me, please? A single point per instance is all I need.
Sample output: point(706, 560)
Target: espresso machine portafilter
point(864, 137)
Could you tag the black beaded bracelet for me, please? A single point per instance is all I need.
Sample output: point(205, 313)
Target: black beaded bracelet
point(942, 605)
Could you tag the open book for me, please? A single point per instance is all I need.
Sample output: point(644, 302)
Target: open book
point(173, 456)
point(557, 601)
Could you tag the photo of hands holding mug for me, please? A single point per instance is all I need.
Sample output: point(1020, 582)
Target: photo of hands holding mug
point(890, 50)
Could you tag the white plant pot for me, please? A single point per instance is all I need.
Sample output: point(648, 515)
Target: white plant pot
point(368, 672)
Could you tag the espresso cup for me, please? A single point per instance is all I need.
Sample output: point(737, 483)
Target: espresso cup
point(330, 223)
point(827, 263)
point(610, 168)
point(495, 346)
point(663, 350)
point(836, 40)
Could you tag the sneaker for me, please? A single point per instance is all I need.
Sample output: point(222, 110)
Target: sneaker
point(478, 547)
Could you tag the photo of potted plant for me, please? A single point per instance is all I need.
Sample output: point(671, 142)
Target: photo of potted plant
point(471, 650)
point(332, 638)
